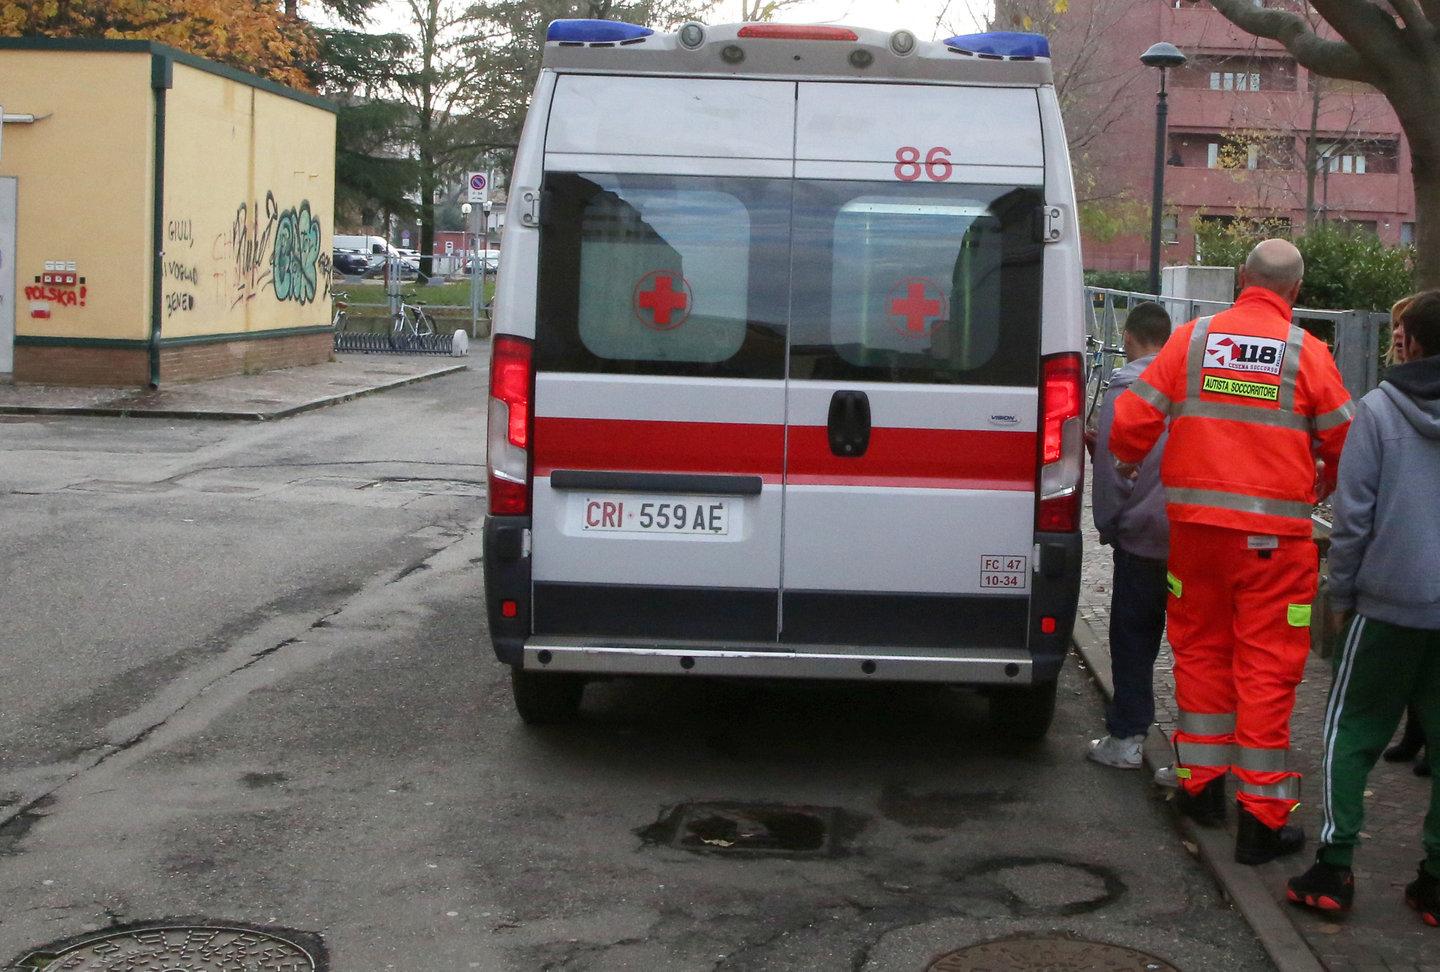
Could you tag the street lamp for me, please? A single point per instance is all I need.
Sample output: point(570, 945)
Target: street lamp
point(1163, 56)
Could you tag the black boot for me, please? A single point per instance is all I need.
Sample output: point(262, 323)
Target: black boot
point(1325, 887)
point(1422, 762)
point(1423, 894)
point(1207, 807)
point(1256, 843)
point(1410, 743)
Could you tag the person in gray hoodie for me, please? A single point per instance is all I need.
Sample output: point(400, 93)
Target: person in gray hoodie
point(1385, 531)
point(1130, 516)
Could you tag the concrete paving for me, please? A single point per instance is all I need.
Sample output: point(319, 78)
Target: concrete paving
point(1381, 933)
point(256, 686)
point(258, 397)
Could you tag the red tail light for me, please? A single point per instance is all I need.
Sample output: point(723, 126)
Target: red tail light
point(798, 32)
point(512, 380)
point(1062, 448)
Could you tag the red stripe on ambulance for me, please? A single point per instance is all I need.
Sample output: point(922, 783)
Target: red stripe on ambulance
point(916, 458)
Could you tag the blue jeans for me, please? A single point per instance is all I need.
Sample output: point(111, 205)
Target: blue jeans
point(1137, 623)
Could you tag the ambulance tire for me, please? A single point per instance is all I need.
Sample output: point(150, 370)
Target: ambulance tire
point(1023, 714)
point(543, 699)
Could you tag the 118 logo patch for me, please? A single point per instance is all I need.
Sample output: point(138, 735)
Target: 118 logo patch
point(1239, 352)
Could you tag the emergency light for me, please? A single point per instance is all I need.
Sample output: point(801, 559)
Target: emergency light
point(1001, 43)
point(595, 31)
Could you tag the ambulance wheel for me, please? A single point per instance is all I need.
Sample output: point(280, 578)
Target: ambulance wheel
point(1023, 713)
point(543, 699)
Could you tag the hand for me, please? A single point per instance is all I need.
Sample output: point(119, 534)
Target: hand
point(1127, 470)
point(1092, 439)
point(1335, 624)
point(1322, 488)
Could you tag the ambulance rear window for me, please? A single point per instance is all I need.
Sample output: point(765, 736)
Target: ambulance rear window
point(664, 275)
point(916, 283)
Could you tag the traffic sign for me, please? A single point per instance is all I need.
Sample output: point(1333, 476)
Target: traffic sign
point(449, 247)
point(479, 187)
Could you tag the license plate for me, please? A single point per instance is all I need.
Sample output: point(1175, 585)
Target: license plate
point(697, 516)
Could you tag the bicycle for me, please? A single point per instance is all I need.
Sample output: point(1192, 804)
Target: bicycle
point(410, 324)
point(1101, 362)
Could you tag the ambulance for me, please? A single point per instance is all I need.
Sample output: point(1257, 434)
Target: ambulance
point(786, 373)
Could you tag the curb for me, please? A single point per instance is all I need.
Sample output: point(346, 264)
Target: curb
point(121, 411)
point(1215, 846)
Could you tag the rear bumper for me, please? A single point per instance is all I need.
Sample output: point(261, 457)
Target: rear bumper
point(972, 667)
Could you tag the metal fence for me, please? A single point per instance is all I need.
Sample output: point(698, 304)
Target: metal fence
point(1353, 336)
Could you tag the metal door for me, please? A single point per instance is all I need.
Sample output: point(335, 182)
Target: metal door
point(660, 359)
point(913, 367)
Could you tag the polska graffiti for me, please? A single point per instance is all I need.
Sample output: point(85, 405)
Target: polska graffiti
point(295, 264)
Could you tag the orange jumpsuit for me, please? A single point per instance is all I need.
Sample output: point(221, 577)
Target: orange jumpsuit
point(1251, 400)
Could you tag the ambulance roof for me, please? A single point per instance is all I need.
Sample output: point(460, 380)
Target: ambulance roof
point(797, 51)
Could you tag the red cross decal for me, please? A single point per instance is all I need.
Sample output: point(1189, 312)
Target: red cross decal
point(915, 307)
point(664, 301)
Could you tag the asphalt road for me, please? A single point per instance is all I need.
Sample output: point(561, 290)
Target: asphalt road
point(246, 678)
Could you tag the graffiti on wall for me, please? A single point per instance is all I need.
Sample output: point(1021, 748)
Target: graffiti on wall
point(295, 264)
point(267, 249)
point(60, 285)
point(181, 276)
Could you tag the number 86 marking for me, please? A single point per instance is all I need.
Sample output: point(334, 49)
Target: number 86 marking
point(937, 166)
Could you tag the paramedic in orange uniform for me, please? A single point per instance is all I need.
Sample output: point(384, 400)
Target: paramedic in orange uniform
point(1252, 401)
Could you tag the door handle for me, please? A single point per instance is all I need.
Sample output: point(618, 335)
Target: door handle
point(849, 424)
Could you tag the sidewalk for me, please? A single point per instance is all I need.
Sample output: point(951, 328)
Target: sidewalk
point(258, 397)
point(1381, 933)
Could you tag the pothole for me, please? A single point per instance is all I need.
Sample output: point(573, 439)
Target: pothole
point(1049, 885)
point(1048, 953)
point(750, 829)
point(155, 947)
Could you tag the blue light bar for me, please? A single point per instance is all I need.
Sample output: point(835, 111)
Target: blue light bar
point(594, 31)
point(1002, 43)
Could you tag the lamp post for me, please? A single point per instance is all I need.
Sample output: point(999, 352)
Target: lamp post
point(1163, 56)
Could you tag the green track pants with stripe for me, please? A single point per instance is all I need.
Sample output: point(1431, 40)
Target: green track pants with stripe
point(1381, 669)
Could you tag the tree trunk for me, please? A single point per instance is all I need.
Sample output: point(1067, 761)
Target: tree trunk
point(427, 202)
point(1422, 128)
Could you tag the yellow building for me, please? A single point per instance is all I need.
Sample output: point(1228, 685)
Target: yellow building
point(162, 217)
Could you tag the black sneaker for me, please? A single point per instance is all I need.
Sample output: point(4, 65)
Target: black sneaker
point(1256, 843)
point(1325, 887)
point(1423, 894)
point(1207, 807)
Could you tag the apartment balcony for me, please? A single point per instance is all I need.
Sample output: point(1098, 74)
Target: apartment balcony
point(1283, 190)
point(1221, 111)
point(1202, 28)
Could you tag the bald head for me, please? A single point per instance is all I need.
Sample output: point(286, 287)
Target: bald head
point(1275, 265)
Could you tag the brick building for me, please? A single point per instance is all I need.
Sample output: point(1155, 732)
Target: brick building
point(1242, 113)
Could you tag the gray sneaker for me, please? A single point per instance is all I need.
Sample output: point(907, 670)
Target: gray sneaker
point(1165, 776)
point(1117, 752)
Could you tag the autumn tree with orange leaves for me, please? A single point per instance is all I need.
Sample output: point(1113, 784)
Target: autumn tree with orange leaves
point(254, 35)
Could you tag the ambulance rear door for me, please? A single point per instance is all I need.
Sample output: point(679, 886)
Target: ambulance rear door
point(913, 366)
point(660, 359)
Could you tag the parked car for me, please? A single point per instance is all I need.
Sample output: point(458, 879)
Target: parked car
point(350, 263)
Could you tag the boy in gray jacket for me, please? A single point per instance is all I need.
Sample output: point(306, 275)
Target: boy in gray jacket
point(1386, 532)
point(1130, 516)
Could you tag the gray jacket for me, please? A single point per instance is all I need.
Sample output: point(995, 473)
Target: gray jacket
point(1129, 514)
point(1387, 528)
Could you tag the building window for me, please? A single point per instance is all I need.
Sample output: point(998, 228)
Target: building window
point(1169, 228)
point(1407, 234)
point(1334, 158)
point(1212, 155)
point(1234, 81)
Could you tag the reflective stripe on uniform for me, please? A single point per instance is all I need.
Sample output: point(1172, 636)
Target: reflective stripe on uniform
point(1207, 723)
point(1195, 358)
point(1287, 789)
point(1333, 418)
point(1151, 395)
point(1290, 368)
point(1256, 415)
point(1262, 760)
point(1264, 506)
point(1204, 754)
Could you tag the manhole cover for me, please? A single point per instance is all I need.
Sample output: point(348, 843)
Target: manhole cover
point(177, 948)
point(747, 829)
point(1027, 954)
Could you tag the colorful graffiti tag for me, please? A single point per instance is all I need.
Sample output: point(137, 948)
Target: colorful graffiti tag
point(295, 262)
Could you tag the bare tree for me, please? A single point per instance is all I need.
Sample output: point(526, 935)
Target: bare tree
point(1395, 46)
point(763, 9)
